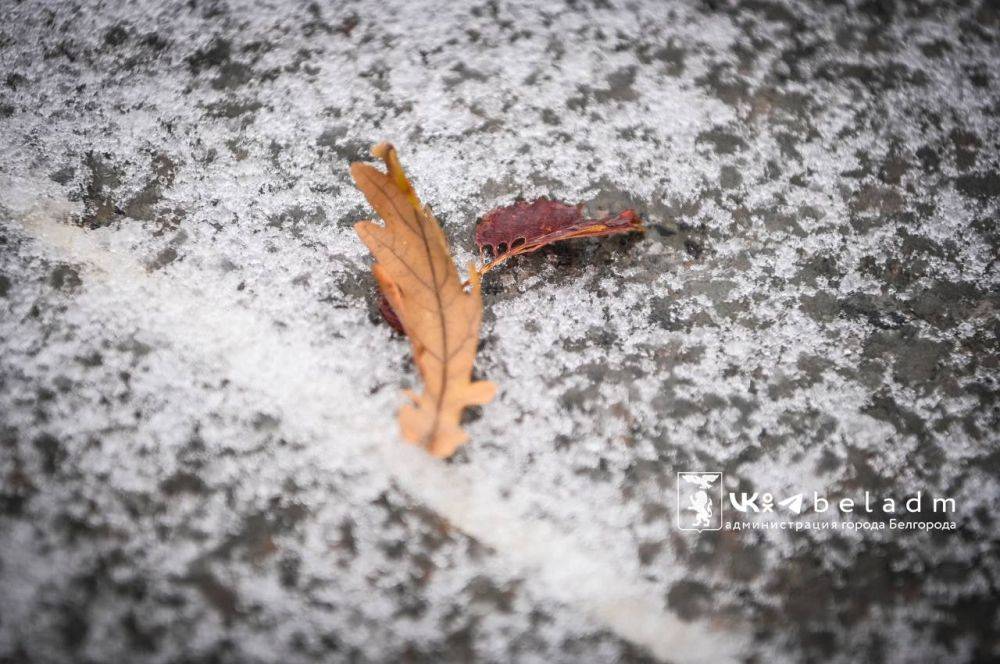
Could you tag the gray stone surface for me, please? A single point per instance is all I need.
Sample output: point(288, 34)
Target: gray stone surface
point(198, 453)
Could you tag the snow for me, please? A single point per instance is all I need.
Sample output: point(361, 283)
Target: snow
point(200, 455)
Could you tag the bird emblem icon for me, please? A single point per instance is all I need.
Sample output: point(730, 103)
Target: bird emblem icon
point(699, 501)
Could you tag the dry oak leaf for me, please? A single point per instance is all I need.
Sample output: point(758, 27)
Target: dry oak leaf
point(418, 278)
point(525, 227)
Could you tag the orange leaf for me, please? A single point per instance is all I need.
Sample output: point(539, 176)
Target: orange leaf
point(418, 278)
point(525, 227)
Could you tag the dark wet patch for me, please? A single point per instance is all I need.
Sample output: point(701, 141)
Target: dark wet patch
point(168, 254)
point(232, 75)
point(15, 80)
point(163, 258)
point(884, 407)
point(256, 538)
point(917, 361)
point(116, 35)
point(65, 278)
point(233, 107)
point(892, 271)
point(143, 204)
point(730, 178)
point(982, 186)
point(182, 482)
point(51, 451)
point(670, 56)
point(619, 89)
point(346, 150)
point(877, 78)
point(965, 146)
point(724, 85)
point(689, 599)
point(944, 303)
point(101, 179)
point(648, 552)
point(213, 55)
point(74, 626)
point(297, 218)
point(484, 591)
point(63, 175)
point(722, 142)
point(265, 422)
point(460, 73)
point(930, 160)
point(876, 199)
point(851, 594)
point(219, 596)
point(776, 221)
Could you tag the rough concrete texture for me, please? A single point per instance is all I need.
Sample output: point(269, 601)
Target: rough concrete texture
point(198, 454)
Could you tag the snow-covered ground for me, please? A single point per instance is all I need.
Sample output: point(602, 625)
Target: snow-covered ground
point(199, 459)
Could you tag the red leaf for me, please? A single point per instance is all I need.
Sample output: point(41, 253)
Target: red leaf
point(525, 227)
point(389, 314)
